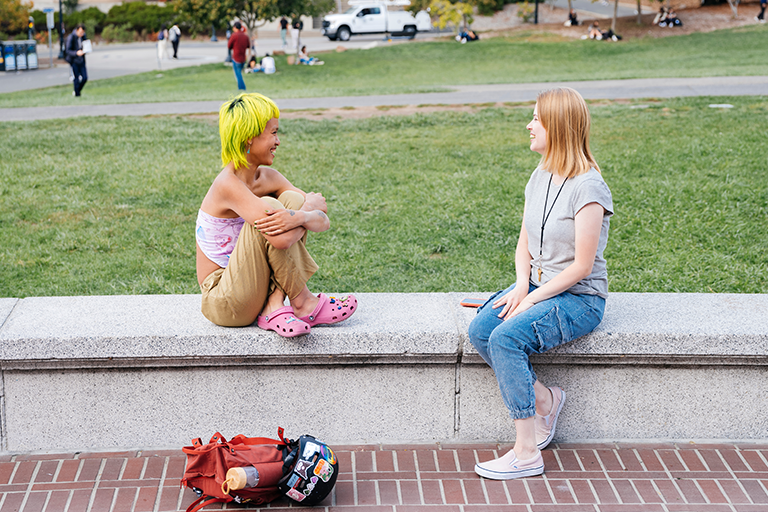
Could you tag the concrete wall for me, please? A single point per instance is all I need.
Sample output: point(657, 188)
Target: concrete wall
point(150, 371)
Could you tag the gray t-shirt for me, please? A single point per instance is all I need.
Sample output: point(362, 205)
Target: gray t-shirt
point(559, 248)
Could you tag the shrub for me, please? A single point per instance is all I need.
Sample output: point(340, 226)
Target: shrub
point(525, 11)
point(488, 7)
point(121, 34)
point(92, 18)
point(139, 16)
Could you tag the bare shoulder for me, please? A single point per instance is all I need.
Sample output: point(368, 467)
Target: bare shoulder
point(224, 189)
point(272, 182)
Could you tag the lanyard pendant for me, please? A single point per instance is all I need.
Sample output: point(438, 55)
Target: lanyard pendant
point(539, 274)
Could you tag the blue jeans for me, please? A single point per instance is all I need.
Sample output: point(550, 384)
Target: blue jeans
point(238, 67)
point(507, 345)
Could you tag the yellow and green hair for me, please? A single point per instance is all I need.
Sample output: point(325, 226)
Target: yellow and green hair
point(240, 119)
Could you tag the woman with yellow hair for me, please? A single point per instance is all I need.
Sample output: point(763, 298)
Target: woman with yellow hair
point(562, 281)
point(252, 229)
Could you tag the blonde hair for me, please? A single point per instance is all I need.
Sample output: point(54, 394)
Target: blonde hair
point(240, 119)
point(564, 115)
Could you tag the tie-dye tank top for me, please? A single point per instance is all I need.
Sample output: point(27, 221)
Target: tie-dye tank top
point(217, 237)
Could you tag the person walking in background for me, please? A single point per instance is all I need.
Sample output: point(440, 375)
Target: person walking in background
point(76, 58)
point(175, 36)
point(162, 43)
point(240, 45)
point(761, 17)
point(283, 31)
point(296, 27)
point(561, 284)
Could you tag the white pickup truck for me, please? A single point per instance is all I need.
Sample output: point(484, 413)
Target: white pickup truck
point(372, 17)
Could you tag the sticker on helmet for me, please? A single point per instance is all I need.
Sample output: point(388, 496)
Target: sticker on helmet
point(296, 495)
point(294, 479)
point(310, 486)
point(328, 454)
point(301, 468)
point(309, 450)
point(324, 470)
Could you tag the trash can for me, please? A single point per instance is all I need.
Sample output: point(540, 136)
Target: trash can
point(31, 54)
point(21, 55)
point(9, 55)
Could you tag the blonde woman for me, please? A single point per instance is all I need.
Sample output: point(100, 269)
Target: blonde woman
point(561, 276)
point(252, 229)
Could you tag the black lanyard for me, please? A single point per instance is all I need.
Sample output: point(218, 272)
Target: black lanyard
point(545, 217)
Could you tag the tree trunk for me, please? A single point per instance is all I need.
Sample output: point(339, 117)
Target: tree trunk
point(734, 7)
point(615, 15)
point(639, 13)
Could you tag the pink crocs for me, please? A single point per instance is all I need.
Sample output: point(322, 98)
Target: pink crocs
point(330, 310)
point(284, 323)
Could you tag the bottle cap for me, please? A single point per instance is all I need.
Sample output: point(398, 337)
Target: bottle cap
point(236, 479)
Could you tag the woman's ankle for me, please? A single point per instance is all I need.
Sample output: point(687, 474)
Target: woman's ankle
point(305, 303)
point(274, 302)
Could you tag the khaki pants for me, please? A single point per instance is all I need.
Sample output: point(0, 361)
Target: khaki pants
point(235, 295)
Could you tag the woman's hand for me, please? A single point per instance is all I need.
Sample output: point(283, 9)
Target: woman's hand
point(512, 302)
point(315, 201)
point(280, 221)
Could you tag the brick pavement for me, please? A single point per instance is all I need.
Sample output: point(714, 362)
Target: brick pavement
point(420, 478)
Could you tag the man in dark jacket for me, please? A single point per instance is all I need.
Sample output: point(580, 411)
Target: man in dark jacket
point(76, 58)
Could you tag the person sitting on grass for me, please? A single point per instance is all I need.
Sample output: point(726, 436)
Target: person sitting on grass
point(304, 58)
point(594, 31)
point(573, 20)
point(598, 35)
point(266, 66)
point(252, 229)
point(561, 284)
point(673, 20)
point(467, 35)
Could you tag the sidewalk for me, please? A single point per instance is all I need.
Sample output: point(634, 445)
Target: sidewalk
point(458, 95)
point(420, 478)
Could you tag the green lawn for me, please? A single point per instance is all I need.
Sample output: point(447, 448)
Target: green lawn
point(430, 66)
point(417, 203)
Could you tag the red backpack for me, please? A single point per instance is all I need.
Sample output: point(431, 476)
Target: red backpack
point(305, 469)
point(207, 467)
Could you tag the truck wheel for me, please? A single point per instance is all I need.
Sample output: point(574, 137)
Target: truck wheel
point(331, 38)
point(343, 34)
point(409, 31)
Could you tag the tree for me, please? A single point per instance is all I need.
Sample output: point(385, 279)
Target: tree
point(199, 15)
point(447, 12)
point(14, 15)
point(70, 6)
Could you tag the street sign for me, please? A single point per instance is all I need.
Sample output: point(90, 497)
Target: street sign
point(49, 18)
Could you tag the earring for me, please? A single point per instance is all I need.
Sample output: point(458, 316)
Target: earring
point(249, 149)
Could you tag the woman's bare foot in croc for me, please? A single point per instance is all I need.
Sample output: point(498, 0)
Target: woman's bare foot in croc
point(330, 310)
point(284, 323)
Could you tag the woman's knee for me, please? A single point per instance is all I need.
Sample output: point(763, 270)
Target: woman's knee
point(291, 200)
point(512, 337)
point(273, 203)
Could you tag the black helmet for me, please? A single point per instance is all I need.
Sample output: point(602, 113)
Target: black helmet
point(313, 471)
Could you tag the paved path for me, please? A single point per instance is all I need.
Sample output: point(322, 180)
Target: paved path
point(420, 478)
point(464, 94)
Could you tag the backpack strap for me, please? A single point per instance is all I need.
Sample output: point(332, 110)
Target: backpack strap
point(241, 439)
point(204, 501)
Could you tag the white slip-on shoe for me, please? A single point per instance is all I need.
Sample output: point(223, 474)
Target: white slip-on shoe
point(508, 467)
point(545, 425)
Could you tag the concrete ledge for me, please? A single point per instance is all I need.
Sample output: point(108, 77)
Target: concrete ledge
point(128, 371)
